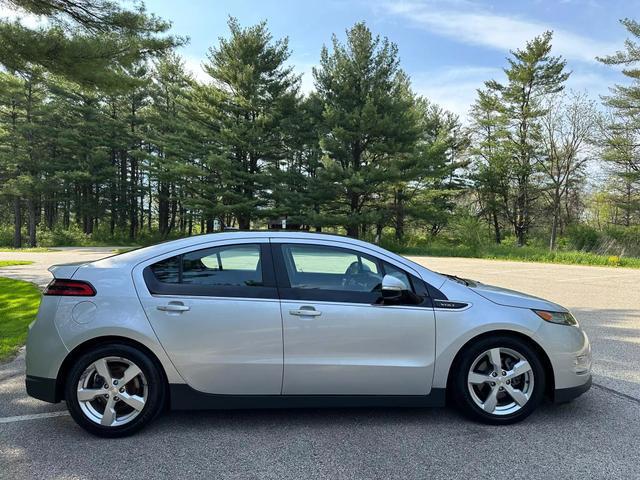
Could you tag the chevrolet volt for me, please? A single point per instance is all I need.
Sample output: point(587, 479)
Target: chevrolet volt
point(286, 319)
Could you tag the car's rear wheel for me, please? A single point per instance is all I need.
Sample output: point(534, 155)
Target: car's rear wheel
point(499, 380)
point(114, 390)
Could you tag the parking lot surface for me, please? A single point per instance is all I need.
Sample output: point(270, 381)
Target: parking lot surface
point(596, 436)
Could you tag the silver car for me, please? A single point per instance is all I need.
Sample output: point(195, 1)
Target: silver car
point(286, 319)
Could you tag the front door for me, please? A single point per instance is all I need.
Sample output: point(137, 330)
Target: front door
point(216, 312)
point(338, 338)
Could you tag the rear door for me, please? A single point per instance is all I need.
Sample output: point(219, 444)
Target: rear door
point(216, 312)
point(339, 339)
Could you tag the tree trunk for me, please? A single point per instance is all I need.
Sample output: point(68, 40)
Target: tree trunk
point(400, 215)
point(378, 237)
point(133, 199)
point(496, 227)
point(17, 223)
point(163, 208)
point(352, 227)
point(555, 220)
point(521, 236)
point(31, 207)
point(244, 222)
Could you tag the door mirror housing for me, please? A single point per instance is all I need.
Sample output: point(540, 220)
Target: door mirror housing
point(393, 288)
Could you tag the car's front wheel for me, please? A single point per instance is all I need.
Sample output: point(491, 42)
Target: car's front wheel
point(114, 390)
point(499, 380)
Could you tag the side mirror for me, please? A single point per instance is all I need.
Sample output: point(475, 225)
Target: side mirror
point(392, 288)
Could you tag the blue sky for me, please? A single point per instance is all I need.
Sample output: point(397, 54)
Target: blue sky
point(449, 47)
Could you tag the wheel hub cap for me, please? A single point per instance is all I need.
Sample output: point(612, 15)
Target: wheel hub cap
point(500, 381)
point(112, 391)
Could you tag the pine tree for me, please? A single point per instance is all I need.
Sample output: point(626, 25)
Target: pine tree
point(532, 75)
point(490, 167)
point(245, 110)
point(621, 133)
point(368, 122)
point(87, 42)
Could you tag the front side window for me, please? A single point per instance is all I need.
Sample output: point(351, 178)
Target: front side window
point(399, 274)
point(330, 268)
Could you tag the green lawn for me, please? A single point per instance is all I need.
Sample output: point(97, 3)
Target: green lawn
point(523, 254)
point(27, 249)
point(19, 303)
point(9, 263)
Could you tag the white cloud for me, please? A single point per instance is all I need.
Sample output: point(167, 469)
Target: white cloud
point(496, 31)
point(305, 69)
point(27, 19)
point(454, 88)
point(193, 65)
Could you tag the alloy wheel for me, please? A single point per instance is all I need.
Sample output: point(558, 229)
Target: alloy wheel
point(500, 381)
point(112, 391)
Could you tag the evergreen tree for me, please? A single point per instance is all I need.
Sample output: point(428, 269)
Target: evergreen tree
point(532, 75)
point(428, 181)
point(621, 133)
point(88, 42)
point(368, 123)
point(490, 166)
point(245, 109)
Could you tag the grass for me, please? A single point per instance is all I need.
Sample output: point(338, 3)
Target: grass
point(19, 303)
point(27, 249)
point(522, 254)
point(10, 263)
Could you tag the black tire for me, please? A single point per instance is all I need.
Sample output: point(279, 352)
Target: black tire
point(460, 390)
point(156, 390)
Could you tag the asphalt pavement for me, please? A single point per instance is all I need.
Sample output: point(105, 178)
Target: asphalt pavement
point(595, 437)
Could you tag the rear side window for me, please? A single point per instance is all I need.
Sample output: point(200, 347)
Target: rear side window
point(167, 271)
point(230, 266)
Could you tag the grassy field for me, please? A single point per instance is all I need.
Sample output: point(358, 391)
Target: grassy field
point(522, 254)
point(9, 263)
point(19, 303)
point(27, 249)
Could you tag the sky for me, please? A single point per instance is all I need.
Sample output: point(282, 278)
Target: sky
point(448, 47)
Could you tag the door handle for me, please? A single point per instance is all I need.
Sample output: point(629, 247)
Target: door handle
point(173, 307)
point(305, 312)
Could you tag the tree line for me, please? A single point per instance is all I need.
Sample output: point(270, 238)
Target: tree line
point(104, 131)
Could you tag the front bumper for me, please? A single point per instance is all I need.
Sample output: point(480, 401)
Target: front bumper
point(42, 388)
point(563, 395)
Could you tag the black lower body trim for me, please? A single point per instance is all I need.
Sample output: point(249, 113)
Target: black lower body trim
point(42, 388)
point(562, 395)
point(183, 397)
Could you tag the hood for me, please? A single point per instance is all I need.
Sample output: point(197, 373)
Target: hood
point(511, 298)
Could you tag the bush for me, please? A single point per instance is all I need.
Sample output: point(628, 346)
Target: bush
point(6, 236)
point(470, 232)
point(58, 237)
point(582, 238)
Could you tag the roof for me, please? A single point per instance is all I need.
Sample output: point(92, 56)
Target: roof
point(134, 257)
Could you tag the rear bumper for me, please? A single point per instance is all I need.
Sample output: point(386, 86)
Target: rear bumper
point(563, 395)
point(42, 388)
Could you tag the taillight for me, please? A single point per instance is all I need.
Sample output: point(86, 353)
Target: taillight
point(73, 288)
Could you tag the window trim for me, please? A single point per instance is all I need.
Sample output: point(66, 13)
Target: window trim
point(267, 290)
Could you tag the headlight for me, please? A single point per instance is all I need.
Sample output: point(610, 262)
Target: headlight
point(561, 318)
